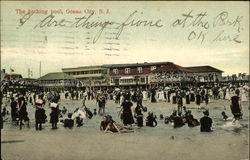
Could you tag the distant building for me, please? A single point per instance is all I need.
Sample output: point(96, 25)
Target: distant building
point(135, 74)
point(90, 76)
point(142, 74)
point(206, 73)
point(56, 80)
point(15, 82)
point(171, 73)
point(12, 76)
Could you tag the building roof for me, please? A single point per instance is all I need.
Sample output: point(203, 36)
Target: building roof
point(12, 76)
point(171, 67)
point(199, 69)
point(55, 76)
point(82, 67)
point(134, 64)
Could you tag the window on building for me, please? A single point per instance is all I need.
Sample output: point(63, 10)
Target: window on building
point(127, 70)
point(115, 71)
point(153, 68)
point(139, 69)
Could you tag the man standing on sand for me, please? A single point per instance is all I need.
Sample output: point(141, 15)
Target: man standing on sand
point(101, 103)
point(84, 97)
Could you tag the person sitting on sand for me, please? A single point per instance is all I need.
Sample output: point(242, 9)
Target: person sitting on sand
point(170, 119)
point(161, 117)
point(225, 117)
point(64, 110)
point(206, 122)
point(89, 114)
point(109, 125)
point(94, 113)
point(184, 117)
point(151, 120)
point(191, 121)
point(178, 120)
point(79, 121)
point(80, 115)
point(68, 122)
point(104, 123)
point(139, 115)
point(184, 109)
point(166, 120)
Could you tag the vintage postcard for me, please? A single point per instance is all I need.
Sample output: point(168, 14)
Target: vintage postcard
point(124, 80)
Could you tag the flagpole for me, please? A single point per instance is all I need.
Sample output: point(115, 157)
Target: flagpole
point(28, 72)
point(40, 70)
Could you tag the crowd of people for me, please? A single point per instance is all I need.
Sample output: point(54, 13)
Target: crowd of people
point(130, 104)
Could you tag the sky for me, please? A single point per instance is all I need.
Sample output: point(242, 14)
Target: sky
point(215, 34)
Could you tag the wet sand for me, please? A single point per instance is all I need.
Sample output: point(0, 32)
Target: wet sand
point(162, 142)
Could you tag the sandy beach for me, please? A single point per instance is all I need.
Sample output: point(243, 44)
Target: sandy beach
point(163, 142)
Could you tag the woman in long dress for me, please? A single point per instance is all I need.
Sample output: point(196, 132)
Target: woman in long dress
point(22, 110)
point(236, 108)
point(139, 115)
point(127, 112)
point(210, 93)
point(220, 93)
point(227, 94)
point(192, 97)
point(187, 97)
point(179, 102)
point(54, 115)
point(161, 95)
point(243, 95)
point(198, 99)
point(153, 93)
point(13, 106)
point(174, 100)
point(40, 112)
point(144, 93)
point(122, 97)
